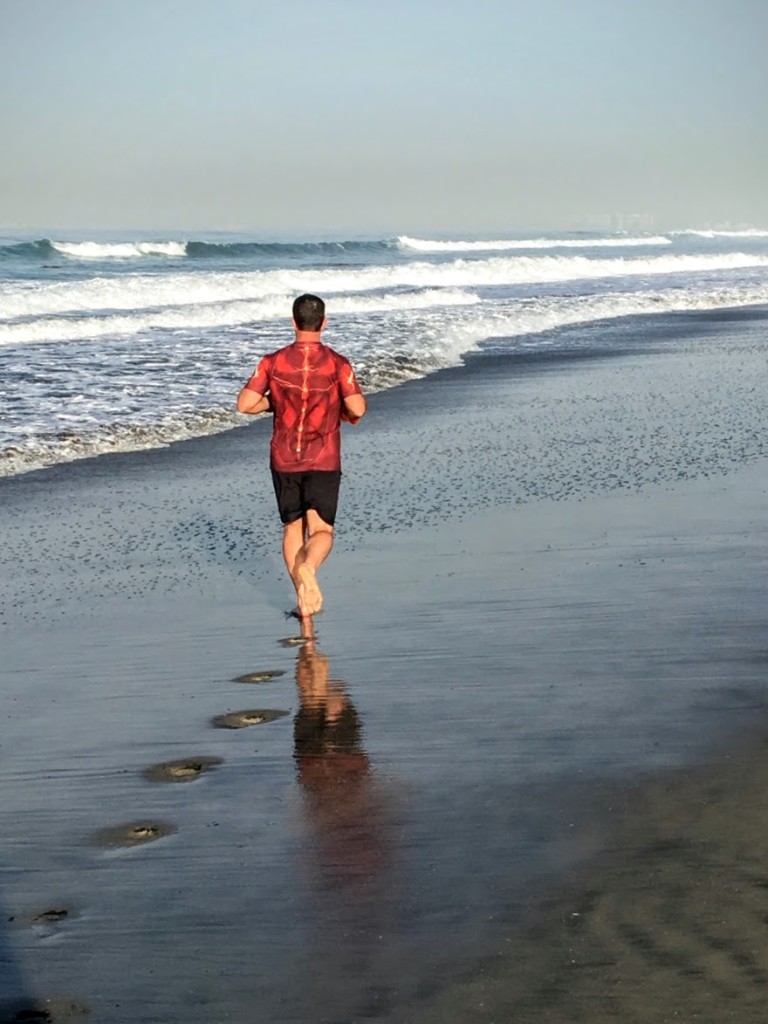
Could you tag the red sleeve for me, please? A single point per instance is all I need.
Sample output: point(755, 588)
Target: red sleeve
point(259, 382)
point(347, 380)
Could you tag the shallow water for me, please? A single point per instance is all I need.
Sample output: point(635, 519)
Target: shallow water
point(113, 345)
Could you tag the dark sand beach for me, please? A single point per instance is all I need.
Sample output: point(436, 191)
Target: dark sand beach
point(519, 776)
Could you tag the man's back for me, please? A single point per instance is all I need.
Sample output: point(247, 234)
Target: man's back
point(307, 383)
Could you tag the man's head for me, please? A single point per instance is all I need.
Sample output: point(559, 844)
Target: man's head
point(309, 313)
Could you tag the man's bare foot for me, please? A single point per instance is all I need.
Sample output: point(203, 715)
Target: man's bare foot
point(309, 593)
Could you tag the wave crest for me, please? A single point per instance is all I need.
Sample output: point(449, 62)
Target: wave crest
point(706, 233)
point(503, 245)
point(45, 248)
point(118, 250)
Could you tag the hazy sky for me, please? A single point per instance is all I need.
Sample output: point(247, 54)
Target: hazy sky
point(367, 116)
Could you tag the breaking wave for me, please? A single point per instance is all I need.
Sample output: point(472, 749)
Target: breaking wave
point(704, 233)
point(118, 250)
point(205, 249)
point(45, 248)
point(265, 294)
point(203, 315)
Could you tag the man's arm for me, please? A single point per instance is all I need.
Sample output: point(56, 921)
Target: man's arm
point(253, 396)
point(353, 402)
point(251, 402)
point(353, 409)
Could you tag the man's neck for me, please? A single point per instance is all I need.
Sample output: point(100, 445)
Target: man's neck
point(307, 337)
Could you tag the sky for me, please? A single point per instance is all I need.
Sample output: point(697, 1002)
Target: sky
point(362, 117)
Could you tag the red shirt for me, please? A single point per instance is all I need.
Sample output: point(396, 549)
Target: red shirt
point(307, 383)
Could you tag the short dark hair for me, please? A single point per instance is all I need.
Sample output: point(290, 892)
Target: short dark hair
point(309, 312)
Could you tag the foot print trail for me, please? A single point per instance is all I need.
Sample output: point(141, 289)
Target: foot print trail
point(244, 719)
point(185, 770)
point(132, 834)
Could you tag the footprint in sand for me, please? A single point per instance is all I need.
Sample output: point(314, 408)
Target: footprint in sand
point(133, 833)
point(52, 916)
point(293, 641)
point(45, 923)
point(259, 677)
point(186, 770)
point(242, 719)
point(52, 922)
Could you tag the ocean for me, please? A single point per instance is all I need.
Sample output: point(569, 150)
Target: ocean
point(129, 342)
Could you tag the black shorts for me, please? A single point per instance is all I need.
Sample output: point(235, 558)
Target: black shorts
point(296, 493)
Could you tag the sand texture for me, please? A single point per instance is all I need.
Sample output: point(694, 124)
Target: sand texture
point(520, 779)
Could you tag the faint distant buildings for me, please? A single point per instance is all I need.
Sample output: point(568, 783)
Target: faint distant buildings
point(649, 222)
point(614, 222)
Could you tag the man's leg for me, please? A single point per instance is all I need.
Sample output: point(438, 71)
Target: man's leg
point(293, 543)
point(316, 548)
point(289, 503)
point(318, 542)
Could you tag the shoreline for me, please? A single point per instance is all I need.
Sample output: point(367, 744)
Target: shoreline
point(578, 343)
point(561, 640)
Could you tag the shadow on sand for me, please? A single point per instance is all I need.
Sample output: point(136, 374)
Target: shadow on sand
point(16, 1004)
point(14, 1001)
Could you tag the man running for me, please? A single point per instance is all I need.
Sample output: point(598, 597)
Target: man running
point(310, 388)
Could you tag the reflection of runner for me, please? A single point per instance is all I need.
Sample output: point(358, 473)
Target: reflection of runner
point(327, 731)
point(311, 389)
point(346, 846)
point(344, 805)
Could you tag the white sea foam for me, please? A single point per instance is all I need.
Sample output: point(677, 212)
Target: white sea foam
point(183, 290)
point(211, 315)
point(705, 233)
point(119, 250)
point(436, 339)
point(500, 245)
point(35, 453)
point(542, 315)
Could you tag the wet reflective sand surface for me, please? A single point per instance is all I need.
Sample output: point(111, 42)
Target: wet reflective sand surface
point(517, 772)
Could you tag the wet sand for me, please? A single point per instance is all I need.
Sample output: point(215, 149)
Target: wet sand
point(520, 777)
point(667, 923)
